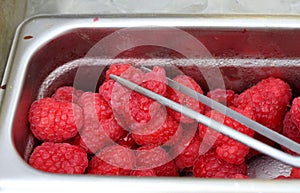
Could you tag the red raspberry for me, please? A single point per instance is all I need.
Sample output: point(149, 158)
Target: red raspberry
point(119, 98)
point(168, 169)
point(189, 151)
point(295, 112)
point(54, 121)
point(117, 69)
point(95, 135)
point(290, 130)
point(105, 90)
point(226, 97)
point(111, 128)
point(150, 157)
point(281, 177)
point(228, 149)
point(77, 141)
point(126, 140)
point(137, 110)
point(168, 132)
point(239, 176)
point(269, 100)
point(184, 99)
point(100, 167)
point(210, 166)
point(141, 108)
point(94, 106)
point(295, 173)
point(59, 158)
point(112, 160)
point(67, 94)
point(149, 172)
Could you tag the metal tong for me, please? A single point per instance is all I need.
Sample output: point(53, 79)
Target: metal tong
point(249, 141)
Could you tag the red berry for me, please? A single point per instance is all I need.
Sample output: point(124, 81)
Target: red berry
point(295, 112)
point(168, 169)
point(112, 160)
point(210, 166)
point(239, 176)
point(126, 140)
point(93, 137)
point(228, 149)
point(105, 90)
point(99, 167)
point(111, 128)
point(150, 157)
point(67, 94)
point(290, 130)
point(59, 158)
point(54, 121)
point(295, 173)
point(189, 151)
point(141, 108)
point(137, 110)
point(77, 141)
point(184, 99)
point(269, 100)
point(117, 69)
point(226, 97)
point(281, 177)
point(141, 173)
point(94, 106)
point(166, 133)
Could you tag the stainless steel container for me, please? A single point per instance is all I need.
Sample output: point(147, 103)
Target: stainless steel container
point(244, 48)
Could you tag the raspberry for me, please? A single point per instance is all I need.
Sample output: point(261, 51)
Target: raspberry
point(150, 156)
point(142, 108)
point(126, 140)
point(189, 151)
point(77, 141)
point(295, 112)
point(184, 99)
point(228, 149)
point(117, 69)
point(100, 167)
point(54, 121)
point(210, 166)
point(239, 176)
point(67, 94)
point(112, 160)
point(226, 97)
point(94, 106)
point(171, 129)
point(59, 158)
point(95, 135)
point(295, 173)
point(106, 89)
point(269, 100)
point(135, 108)
point(232, 152)
point(168, 169)
point(112, 128)
point(149, 172)
point(281, 177)
point(290, 130)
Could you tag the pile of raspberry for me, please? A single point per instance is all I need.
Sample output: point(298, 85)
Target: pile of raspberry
point(117, 131)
